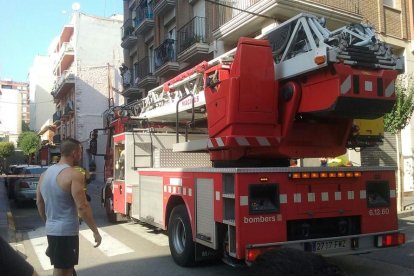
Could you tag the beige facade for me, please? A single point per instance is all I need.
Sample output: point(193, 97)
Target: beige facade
point(14, 108)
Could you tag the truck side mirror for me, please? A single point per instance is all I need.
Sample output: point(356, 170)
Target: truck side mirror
point(93, 143)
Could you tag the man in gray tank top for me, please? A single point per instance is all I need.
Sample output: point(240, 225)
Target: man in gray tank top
point(60, 197)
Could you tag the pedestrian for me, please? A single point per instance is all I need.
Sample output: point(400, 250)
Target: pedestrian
point(60, 197)
point(11, 263)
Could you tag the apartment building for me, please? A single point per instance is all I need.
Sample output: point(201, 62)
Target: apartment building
point(41, 81)
point(14, 108)
point(164, 37)
point(87, 55)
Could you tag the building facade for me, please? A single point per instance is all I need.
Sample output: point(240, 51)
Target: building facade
point(86, 57)
point(41, 80)
point(14, 109)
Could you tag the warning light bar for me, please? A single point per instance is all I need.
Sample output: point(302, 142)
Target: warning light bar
point(315, 175)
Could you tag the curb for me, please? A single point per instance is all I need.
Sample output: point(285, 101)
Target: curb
point(12, 227)
point(405, 214)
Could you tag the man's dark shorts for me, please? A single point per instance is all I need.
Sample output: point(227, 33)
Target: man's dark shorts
point(63, 251)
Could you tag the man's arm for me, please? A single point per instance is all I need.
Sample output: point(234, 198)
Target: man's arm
point(39, 200)
point(84, 210)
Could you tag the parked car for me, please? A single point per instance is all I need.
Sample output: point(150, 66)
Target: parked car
point(13, 170)
point(25, 187)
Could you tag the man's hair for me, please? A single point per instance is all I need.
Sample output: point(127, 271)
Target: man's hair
point(68, 146)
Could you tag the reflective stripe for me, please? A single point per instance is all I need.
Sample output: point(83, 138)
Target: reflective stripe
point(190, 192)
point(219, 142)
point(362, 194)
point(389, 91)
point(392, 193)
point(346, 85)
point(338, 195)
point(311, 197)
point(242, 141)
point(176, 181)
point(350, 194)
point(217, 195)
point(263, 141)
point(325, 196)
point(297, 198)
point(244, 200)
point(184, 191)
point(283, 198)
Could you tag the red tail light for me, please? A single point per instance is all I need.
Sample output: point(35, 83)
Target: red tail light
point(253, 253)
point(24, 185)
point(390, 240)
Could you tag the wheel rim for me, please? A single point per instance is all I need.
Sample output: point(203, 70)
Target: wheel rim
point(179, 236)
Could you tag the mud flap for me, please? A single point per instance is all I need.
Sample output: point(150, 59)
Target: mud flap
point(204, 253)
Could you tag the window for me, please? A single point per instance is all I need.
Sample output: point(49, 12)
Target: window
point(6, 86)
point(390, 3)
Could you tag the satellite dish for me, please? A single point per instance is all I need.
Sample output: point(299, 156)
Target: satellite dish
point(75, 6)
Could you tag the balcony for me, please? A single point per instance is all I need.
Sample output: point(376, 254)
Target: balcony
point(145, 73)
point(56, 118)
point(56, 139)
point(68, 110)
point(65, 57)
point(129, 39)
point(192, 44)
point(233, 23)
point(144, 21)
point(129, 84)
point(64, 84)
point(165, 59)
point(163, 6)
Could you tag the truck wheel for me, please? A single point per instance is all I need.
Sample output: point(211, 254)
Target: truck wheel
point(109, 208)
point(180, 237)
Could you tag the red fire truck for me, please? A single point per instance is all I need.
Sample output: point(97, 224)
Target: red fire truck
point(205, 156)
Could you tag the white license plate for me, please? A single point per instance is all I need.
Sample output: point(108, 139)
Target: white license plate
point(323, 246)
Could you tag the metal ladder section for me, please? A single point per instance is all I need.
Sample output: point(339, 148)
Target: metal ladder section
point(297, 41)
point(229, 211)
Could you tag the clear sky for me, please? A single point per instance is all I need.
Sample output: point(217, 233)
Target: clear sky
point(27, 27)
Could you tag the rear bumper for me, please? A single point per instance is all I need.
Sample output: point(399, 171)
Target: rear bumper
point(355, 244)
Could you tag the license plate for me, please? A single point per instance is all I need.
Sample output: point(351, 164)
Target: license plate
point(323, 246)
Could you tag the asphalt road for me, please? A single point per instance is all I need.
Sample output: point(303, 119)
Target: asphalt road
point(133, 249)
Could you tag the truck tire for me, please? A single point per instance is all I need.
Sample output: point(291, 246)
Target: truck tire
point(180, 237)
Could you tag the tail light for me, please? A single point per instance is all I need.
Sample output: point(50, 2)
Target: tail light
point(253, 253)
point(389, 240)
point(24, 185)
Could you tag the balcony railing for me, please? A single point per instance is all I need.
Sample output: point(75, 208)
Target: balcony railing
point(143, 68)
point(67, 76)
point(65, 49)
point(127, 29)
point(56, 117)
point(165, 53)
point(142, 14)
point(193, 32)
point(68, 108)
